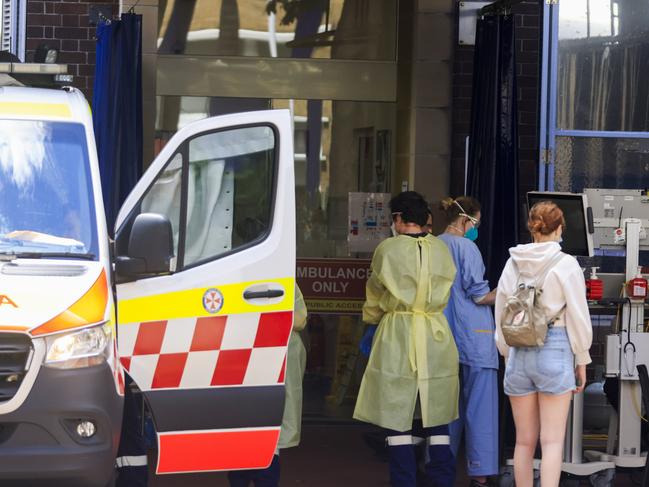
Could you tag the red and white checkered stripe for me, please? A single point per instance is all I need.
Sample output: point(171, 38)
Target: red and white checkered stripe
point(217, 351)
point(118, 372)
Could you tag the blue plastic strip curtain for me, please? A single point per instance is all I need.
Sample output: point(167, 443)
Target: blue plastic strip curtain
point(493, 157)
point(117, 109)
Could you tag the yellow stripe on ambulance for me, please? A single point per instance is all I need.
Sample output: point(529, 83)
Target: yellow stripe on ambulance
point(189, 303)
point(25, 109)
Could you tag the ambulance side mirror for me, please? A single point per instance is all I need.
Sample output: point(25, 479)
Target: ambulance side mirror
point(150, 248)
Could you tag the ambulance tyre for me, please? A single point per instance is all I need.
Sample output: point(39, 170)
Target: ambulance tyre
point(605, 478)
point(507, 477)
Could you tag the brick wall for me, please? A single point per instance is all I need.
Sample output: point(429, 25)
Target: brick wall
point(528, 33)
point(64, 25)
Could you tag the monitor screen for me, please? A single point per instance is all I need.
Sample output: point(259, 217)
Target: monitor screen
point(576, 237)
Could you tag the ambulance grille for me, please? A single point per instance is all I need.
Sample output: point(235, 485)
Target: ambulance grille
point(15, 350)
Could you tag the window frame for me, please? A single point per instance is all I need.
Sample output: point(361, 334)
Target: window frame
point(121, 245)
point(273, 199)
point(17, 22)
point(183, 150)
point(549, 131)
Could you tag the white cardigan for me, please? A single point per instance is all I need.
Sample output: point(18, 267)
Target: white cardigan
point(564, 284)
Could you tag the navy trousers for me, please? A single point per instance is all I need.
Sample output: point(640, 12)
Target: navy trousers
point(131, 459)
point(438, 459)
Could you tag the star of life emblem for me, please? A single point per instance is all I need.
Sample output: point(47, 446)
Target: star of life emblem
point(212, 300)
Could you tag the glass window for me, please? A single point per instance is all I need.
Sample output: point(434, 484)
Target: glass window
point(340, 147)
point(330, 29)
point(175, 112)
point(46, 196)
point(601, 163)
point(230, 191)
point(164, 196)
point(603, 65)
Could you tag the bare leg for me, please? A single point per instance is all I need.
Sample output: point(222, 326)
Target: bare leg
point(554, 414)
point(526, 418)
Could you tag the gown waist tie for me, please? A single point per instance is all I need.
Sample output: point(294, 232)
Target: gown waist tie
point(417, 349)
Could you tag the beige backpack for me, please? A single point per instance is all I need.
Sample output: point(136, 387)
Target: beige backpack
point(524, 322)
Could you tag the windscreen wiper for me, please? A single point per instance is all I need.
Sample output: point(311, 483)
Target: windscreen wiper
point(8, 256)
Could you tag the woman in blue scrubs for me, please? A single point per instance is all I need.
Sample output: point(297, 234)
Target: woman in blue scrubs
point(472, 323)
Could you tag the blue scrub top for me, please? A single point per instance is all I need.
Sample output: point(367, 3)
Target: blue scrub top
point(472, 325)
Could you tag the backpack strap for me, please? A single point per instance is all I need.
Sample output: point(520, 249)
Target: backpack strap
point(557, 315)
point(519, 280)
point(541, 282)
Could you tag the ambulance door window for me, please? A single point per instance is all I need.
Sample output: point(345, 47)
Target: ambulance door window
point(229, 191)
point(163, 197)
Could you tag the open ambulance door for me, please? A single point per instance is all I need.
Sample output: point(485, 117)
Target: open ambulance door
point(205, 265)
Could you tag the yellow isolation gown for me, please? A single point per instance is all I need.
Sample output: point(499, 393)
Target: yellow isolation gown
point(295, 365)
point(413, 352)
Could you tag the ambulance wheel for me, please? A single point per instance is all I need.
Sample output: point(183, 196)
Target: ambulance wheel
point(605, 478)
point(506, 477)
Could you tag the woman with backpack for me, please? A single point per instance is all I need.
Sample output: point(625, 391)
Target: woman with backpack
point(472, 323)
point(543, 330)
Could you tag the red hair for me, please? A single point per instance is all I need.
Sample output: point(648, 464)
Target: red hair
point(545, 217)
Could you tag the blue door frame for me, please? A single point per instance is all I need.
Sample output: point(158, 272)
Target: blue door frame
point(548, 113)
point(545, 100)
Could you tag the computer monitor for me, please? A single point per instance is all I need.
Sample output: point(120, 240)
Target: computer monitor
point(578, 234)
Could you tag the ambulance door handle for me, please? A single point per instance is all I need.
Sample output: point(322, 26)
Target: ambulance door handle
point(270, 294)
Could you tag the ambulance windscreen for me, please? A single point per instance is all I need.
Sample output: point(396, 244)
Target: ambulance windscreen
point(46, 197)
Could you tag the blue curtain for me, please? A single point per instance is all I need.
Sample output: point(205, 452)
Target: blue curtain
point(493, 155)
point(117, 109)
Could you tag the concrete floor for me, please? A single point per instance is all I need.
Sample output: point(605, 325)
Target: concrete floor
point(330, 455)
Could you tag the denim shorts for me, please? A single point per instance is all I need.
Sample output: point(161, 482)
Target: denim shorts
point(549, 369)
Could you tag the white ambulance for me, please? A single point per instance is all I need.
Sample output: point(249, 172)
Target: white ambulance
point(194, 300)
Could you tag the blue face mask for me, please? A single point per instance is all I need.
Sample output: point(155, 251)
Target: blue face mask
point(472, 234)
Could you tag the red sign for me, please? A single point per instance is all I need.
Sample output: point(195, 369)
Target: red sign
point(333, 285)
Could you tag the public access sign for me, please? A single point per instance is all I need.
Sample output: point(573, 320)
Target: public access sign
point(335, 286)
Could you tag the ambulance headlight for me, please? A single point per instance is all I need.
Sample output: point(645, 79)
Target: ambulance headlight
point(82, 348)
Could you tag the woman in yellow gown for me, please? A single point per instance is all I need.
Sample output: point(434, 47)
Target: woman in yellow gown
point(413, 356)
